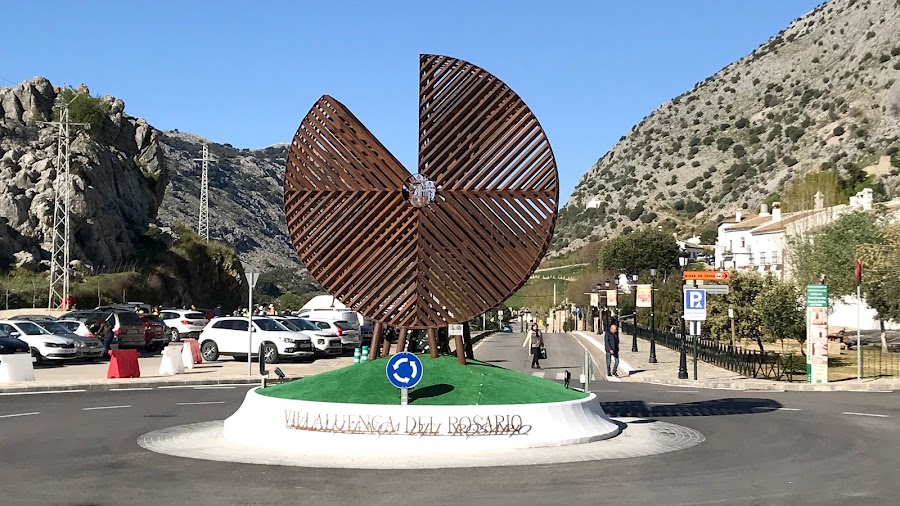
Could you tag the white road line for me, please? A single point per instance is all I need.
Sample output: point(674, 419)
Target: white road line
point(20, 414)
point(106, 407)
point(175, 386)
point(129, 389)
point(613, 379)
point(766, 408)
point(661, 403)
point(44, 392)
point(865, 414)
point(213, 387)
point(560, 376)
point(606, 391)
point(538, 374)
point(680, 391)
point(198, 403)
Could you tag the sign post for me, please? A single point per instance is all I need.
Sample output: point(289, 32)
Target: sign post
point(695, 312)
point(252, 278)
point(816, 333)
point(404, 371)
point(858, 275)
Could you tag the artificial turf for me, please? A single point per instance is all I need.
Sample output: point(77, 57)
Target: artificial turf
point(444, 382)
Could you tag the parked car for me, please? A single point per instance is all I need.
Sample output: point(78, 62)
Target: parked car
point(326, 342)
point(227, 335)
point(183, 323)
point(32, 317)
point(127, 326)
point(507, 328)
point(80, 315)
point(10, 345)
point(88, 348)
point(155, 336)
point(345, 330)
point(43, 344)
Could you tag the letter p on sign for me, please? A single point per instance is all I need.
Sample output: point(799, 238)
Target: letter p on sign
point(695, 305)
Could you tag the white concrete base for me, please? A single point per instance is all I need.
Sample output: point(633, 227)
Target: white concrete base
point(16, 367)
point(639, 438)
point(187, 357)
point(171, 362)
point(326, 427)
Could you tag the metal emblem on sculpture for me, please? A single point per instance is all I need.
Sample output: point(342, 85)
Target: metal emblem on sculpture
point(439, 246)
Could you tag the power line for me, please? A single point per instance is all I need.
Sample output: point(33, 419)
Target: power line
point(203, 220)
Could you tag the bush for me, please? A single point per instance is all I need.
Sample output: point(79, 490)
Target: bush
point(723, 143)
point(83, 108)
point(838, 131)
point(790, 161)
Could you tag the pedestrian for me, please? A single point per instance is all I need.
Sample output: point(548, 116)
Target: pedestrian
point(537, 342)
point(611, 343)
point(103, 330)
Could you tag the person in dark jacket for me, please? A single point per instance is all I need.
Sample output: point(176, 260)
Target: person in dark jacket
point(537, 341)
point(104, 331)
point(611, 343)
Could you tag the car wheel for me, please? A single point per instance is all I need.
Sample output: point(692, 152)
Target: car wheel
point(175, 336)
point(270, 353)
point(209, 351)
point(38, 358)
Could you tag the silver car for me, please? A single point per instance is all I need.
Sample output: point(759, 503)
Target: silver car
point(346, 330)
point(326, 342)
point(88, 348)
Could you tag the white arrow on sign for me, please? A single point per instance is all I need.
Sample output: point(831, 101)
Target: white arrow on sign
point(401, 379)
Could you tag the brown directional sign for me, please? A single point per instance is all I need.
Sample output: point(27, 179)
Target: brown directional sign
point(707, 276)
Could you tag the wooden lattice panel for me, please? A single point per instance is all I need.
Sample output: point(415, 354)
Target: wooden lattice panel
point(441, 246)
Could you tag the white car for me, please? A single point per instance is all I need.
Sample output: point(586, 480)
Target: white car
point(88, 348)
point(183, 323)
point(326, 342)
point(44, 345)
point(227, 335)
point(345, 330)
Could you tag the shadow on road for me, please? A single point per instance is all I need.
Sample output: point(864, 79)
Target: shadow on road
point(430, 391)
point(717, 407)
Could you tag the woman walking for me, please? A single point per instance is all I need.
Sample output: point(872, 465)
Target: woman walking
point(537, 342)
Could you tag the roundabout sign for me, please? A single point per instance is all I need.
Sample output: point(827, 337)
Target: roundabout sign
point(404, 371)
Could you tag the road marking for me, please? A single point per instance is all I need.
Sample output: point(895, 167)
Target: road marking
point(128, 389)
point(560, 376)
point(614, 379)
point(661, 403)
point(538, 374)
point(176, 386)
point(198, 403)
point(213, 387)
point(866, 414)
point(768, 408)
point(606, 391)
point(106, 407)
point(680, 391)
point(20, 414)
point(44, 392)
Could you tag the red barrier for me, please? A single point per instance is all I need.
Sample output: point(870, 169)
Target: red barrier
point(195, 350)
point(123, 364)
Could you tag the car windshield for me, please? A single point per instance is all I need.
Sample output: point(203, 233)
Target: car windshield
point(128, 318)
point(303, 324)
point(268, 325)
point(194, 316)
point(31, 329)
point(290, 325)
point(54, 327)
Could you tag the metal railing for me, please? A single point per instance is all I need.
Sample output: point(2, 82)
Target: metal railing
point(769, 365)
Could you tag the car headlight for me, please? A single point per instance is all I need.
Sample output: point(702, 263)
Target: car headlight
point(51, 345)
point(81, 344)
point(321, 341)
point(288, 340)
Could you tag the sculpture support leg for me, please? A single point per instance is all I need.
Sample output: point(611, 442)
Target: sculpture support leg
point(460, 350)
point(401, 341)
point(386, 348)
point(432, 342)
point(377, 332)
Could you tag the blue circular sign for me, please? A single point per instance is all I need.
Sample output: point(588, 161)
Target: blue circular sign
point(404, 370)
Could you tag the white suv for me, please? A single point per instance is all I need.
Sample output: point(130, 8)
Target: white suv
point(327, 342)
point(181, 323)
point(227, 335)
point(44, 345)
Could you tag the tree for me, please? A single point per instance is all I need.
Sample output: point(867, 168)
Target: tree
point(781, 311)
point(833, 250)
point(743, 290)
point(881, 280)
point(289, 301)
point(800, 195)
point(639, 251)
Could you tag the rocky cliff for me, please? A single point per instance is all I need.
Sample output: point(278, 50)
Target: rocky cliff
point(823, 93)
point(117, 168)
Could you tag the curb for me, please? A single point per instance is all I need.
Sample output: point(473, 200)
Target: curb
point(99, 387)
point(625, 366)
point(750, 384)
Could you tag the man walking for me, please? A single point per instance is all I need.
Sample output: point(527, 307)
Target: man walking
point(611, 343)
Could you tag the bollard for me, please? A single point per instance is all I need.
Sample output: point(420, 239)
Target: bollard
point(171, 362)
point(16, 367)
point(364, 356)
point(355, 355)
point(187, 356)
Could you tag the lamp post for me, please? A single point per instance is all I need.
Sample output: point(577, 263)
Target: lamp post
point(653, 316)
point(682, 357)
point(634, 348)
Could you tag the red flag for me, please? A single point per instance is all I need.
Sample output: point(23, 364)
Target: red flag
point(858, 271)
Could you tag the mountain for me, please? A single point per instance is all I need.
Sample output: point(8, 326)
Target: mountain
point(823, 93)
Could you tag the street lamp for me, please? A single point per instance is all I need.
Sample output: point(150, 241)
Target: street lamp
point(653, 316)
point(634, 347)
point(682, 357)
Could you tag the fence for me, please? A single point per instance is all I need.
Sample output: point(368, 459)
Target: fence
point(776, 366)
point(750, 363)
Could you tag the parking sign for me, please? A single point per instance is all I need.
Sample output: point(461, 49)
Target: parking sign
point(695, 305)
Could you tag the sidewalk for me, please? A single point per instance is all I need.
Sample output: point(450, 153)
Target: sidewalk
point(665, 371)
point(92, 376)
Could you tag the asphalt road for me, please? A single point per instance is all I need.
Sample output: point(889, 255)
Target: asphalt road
point(761, 448)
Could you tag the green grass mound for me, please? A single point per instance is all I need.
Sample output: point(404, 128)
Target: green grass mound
point(444, 383)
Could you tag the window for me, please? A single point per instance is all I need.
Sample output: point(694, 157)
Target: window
point(239, 325)
point(743, 242)
point(224, 324)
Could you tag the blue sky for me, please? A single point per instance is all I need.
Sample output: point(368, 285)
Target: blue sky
point(246, 73)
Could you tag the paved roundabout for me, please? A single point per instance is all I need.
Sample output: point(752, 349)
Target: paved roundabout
point(81, 448)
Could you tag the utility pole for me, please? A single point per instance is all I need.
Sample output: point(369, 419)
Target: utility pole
point(203, 221)
point(59, 260)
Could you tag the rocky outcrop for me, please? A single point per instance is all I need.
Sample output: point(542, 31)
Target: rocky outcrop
point(118, 175)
